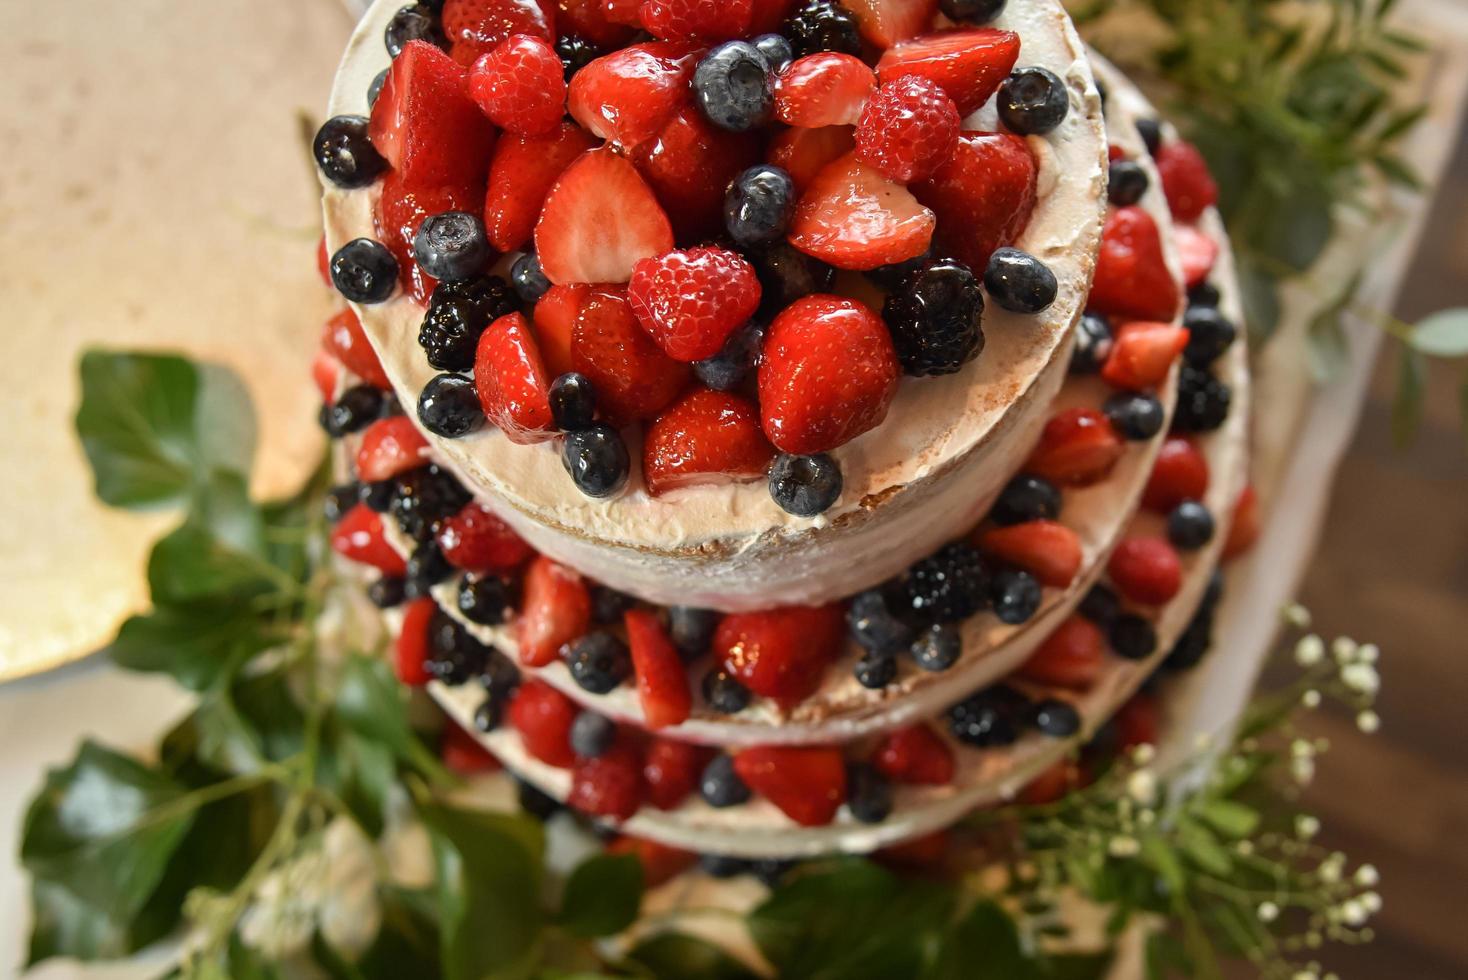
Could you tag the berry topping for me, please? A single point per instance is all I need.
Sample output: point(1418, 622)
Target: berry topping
point(885, 22)
point(609, 785)
point(1093, 344)
point(423, 498)
point(807, 784)
point(671, 770)
point(975, 11)
point(512, 382)
point(1210, 333)
point(983, 196)
point(1132, 279)
point(1033, 101)
point(632, 376)
point(908, 129)
point(555, 609)
point(1180, 473)
point(364, 271)
point(805, 486)
point(724, 693)
point(1186, 181)
point(458, 313)
point(720, 786)
point(935, 318)
point(707, 437)
point(1071, 657)
point(689, 165)
point(1146, 570)
point(591, 23)
point(948, 587)
point(854, 218)
point(476, 27)
point(1202, 401)
point(599, 662)
point(873, 626)
point(572, 402)
point(1142, 354)
point(555, 324)
point(826, 89)
point(1136, 415)
point(1132, 637)
point(1026, 498)
point(1190, 526)
point(487, 600)
point(411, 652)
point(774, 48)
point(968, 64)
point(358, 537)
point(592, 735)
point(599, 220)
point(937, 648)
point(1101, 606)
point(691, 301)
point(358, 407)
point(1049, 551)
point(389, 447)
point(1243, 528)
point(781, 653)
point(868, 794)
point(990, 718)
point(1126, 183)
point(528, 278)
point(875, 671)
point(345, 155)
point(662, 680)
point(1078, 447)
point(1015, 596)
point(426, 568)
point(1056, 718)
point(520, 86)
point(426, 125)
point(521, 173)
point(401, 211)
point(452, 246)
point(728, 369)
point(1019, 282)
point(734, 87)
point(630, 94)
point(804, 153)
point(915, 756)
point(476, 540)
point(822, 25)
point(695, 20)
point(1197, 252)
point(758, 205)
point(597, 461)
point(415, 22)
point(577, 52)
point(449, 406)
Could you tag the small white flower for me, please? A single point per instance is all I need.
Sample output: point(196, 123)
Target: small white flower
point(1245, 847)
point(1306, 975)
point(1268, 912)
point(1309, 651)
point(1353, 914)
point(1344, 649)
point(1123, 847)
point(1368, 653)
point(1297, 616)
point(1142, 787)
point(1367, 876)
point(1369, 722)
point(1306, 826)
point(1371, 902)
point(1330, 868)
point(1302, 748)
point(1361, 678)
point(1310, 699)
point(1144, 754)
point(1302, 769)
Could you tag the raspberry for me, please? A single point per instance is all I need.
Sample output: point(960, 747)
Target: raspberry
point(521, 86)
point(691, 301)
point(691, 20)
point(908, 129)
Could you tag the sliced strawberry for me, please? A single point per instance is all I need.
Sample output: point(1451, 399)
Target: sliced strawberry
point(916, 756)
point(410, 653)
point(1137, 722)
point(781, 653)
point(828, 374)
point(599, 220)
point(671, 770)
point(476, 540)
point(521, 174)
point(476, 27)
point(462, 754)
point(824, 89)
point(609, 785)
point(358, 537)
point(1186, 181)
point(555, 323)
point(696, 20)
point(543, 716)
point(325, 372)
point(807, 784)
point(1243, 528)
point(554, 610)
point(968, 64)
point(1046, 549)
point(587, 19)
point(425, 124)
point(512, 383)
point(706, 437)
point(1078, 447)
point(1142, 353)
point(1198, 253)
point(344, 339)
point(1052, 785)
point(520, 85)
point(660, 863)
point(689, 165)
point(662, 679)
point(1071, 657)
point(908, 129)
point(885, 22)
point(1132, 279)
point(390, 446)
point(690, 301)
point(766, 16)
point(632, 377)
point(983, 196)
point(804, 153)
point(629, 95)
point(854, 218)
point(400, 213)
point(1146, 570)
point(1180, 473)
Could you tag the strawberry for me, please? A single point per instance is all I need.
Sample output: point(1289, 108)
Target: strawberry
point(691, 301)
point(804, 153)
point(781, 653)
point(828, 374)
point(1180, 473)
point(599, 220)
point(1142, 353)
point(344, 339)
point(1146, 570)
point(554, 610)
point(915, 756)
point(808, 784)
point(1132, 279)
point(696, 20)
point(323, 262)
point(628, 12)
point(706, 437)
point(400, 212)
point(854, 218)
point(629, 95)
point(520, 86)
point(425, 124)
point(660, 863)
point(689, 165)
point(885, 22)
point(325, 372)
point(671, 770)
point(983, 196)
point(1198, 253)
point(968, 64)
point(358, 537)
point(1052, 785)
point(1243, 528)
point(1115, 153)
point(1137, 722)
point(927, 853)
point(586, 19)
point(1186, 181)
point(1046, 549)
point(662, 679)
point(476, 540)
point(908, 129)
point(555, 322)
point(475, 27)
point(511, 380)
point(609, 785)
point(521, 174)
point(462, 754)
point(543, 716)
point(824, 89)
point(632, 377)
point(390, 446)
point(1078, 447)
point(766, 16)
point(1071, 657)
point(410, 653)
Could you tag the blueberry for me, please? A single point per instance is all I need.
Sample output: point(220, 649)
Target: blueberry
point(723, 866)
point(1204, 294)
point(868, 794)
point(575, 53)
point(1033, 101)
point(771, 872)
point(805, 485)
point(597, 460)
point(873, 626)
point(1132, 637)
point(937, 648)
point(414, 22)
point(1026, 498)
point(990, 718)
point(340, 499)
point(1126, 184)
point(1015, 595)
point(1190, 525)
point(426, 568)
point(1213, 595)
point(378, 496)
point(1210, 333)
point(822, 25)
point(357, 408)
point(592, 734)
point(489, 715)
point(935, 319)
point(1101, 606)
point(1093, 344)
point(1151, 133)
point(776, 50)
point(485, 599)
point(724, 693)
point(758, 205)
point(424, 498)
point(720, 785)
point(1019, 282)
point(599, 662)
point(786, 274)
point(449, 406)
point(608, 605)
point(499, 676)
point(345, 155)
point(948, 587)
point(895, 275)
point(1056, 718)
point(528, 278)
point(974, 11)
point(875, 670)
point(692, 630)
point(727, 369)
point(1192, 646)
point(735, 87)
point(1203, 401)
point(572, 402)
point(388, 592)
point(456, 658)
point(540, 805)
point(375, 89)
point(1136, 415)
point(452, 246)
point(364, 271)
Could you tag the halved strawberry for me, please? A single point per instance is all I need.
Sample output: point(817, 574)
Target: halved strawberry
point(689, 165)
point(1071, 657)
point(555, 323)
point(599, 220)
point(1142, 353)
point(804, 153)
point(609, 785)
point(706, 437)
point(476, 540)
point(1243, 528)
point(1046, 549)
point(401, 210)
point(1137, 722)
point(325, 371)
point(554, 610)
point(629, 95)
point(829, 373)
point(345, 340)
point(543, 716)
point(824, 89)
point(781, 653)
point(632, 377)
point(511, 380)
point(390, 446)
point(689, 301)
point(587, 19)
point(671, 770)
point(885, 22)
point(410, 652)
point(1051, 785)
point(425, 124)
point(358, 537)
point(807, 784)
point(1186, 181)
point(462, 754)
point(1180, 473)
point(916, 756)
point(854, 218)
point(1078, 447)
point(983, 196)
point(521, 174)
point(476, 27)
point(696, 20)
point(660, 863)
point(1198, 253)
point(1132, 279)
point(662, 679)
point(323, 262)
point(1146, 570)
point(766, 16)
point(968, 64)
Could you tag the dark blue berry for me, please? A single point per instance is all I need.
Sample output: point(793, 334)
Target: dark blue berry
point(452, 246)
point(1093, 344)
point(357, 408)
point(822, 25)
point(974, 11)
point(340, 499)
point(989, 719)
point(424, 498)
point(379, 496)
point(449, 406)
point(455, 657)
point(868, 794)
point(364, 271)
point(1026, 498)
point(1056, 718)
point(758, 205)
point(776, 50)
point(1126, 184)
point(874, 627)
point(414, 22)
point(499, 676)
point(528, 278)
point(599, 662)
point(948, 587)
point(1132, 637)
point(486, 599)
point(1203, 401)
point(1033, 101)
point(786, 274)
point(724, 693)
point(575, 53)
point(489, 715)
point(735, 87)
point(727, 369)
point(597, 460)
point(1190, 525)
point(1213, 595)
point(692, 630)
point(388, 592)
point(805, 485)
point(1204, 294)
point(1136, 415)
point(345, 155)
point(1151, 133)
point(1192, 646)
point(771, 872)
point(895, 275)
point(935, 319)
point(540, 805)
point(458, 312)
point(1210, 333)
point(875, 670)
point(375, 89)
point(720, 785)
point(722, 866)
point(1019, 282)
point(592, 734)
point(1015, 596)
point(1101, 606)
point(572, 402)
point(937, 648)
point(426, 568)
point(608, 605)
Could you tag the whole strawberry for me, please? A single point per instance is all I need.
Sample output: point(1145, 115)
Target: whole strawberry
point(908, 129)
point(690, 301)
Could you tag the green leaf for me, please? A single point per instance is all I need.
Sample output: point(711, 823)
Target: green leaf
point(1202, 847)
point(198, 644)
point(603, 896)
point(672, 954)
point(1443, 334)
point(217, 553)
point(372, 703)
point(1410, 396)
point(1260, 299)
point(1233, 820)
point(983, 945)
point(1160, 857)
point(64, 925)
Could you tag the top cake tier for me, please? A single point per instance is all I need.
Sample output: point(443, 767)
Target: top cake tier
point(877, 418)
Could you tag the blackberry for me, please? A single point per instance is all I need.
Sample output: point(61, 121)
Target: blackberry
point(868, 794)
point(894, 276)
point(1204, 294)
point(486, 599)
point(724, 693)
point(341, 499)
point(458, 312)
point(1210, 333)
point(1192, 646)
point(455, 657)
point(727, 369)
point(722, 866)
point(599, 662)
point(572, 402)
point(821, 25)
point(935, 319)
point(608, 605)
point(1101, 606)
point(426, 568)
point(873, 626)
point(950, 586)
point(758, 205)
point(500, 677)
point(345, 155)
point(937, 648)
point(1132, 637)
point(1056, 718)
point(1026, 498)
point(379, 496)
point(720, 785)
point(1137, 415)
point(1019, 282)
point(1015, 596)
point(533, 801)
point(990, 719)
point(692, 630)
point(976, 11)
point(414, 22)
point(575, 53)
point(875, 671)
point(388, 592)
point(1126, 184)
point(1033, 101)
point(592, 734)
point(771, 872)
point(364, 271)
point(786, 274)
point(805, 485)
point(423, 498)
point(489, 715)
point(449, 406)
point(1093, 344)
point(1202, 401)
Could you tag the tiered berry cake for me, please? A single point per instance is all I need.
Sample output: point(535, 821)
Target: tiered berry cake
point(781, 381)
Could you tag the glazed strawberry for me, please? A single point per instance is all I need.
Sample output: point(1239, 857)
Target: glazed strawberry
point(1180, 473)
point(781, 653)
point(629, 95)
point(1198, 253)
point(1146, 570)
point(1078, 447)
point(1137, 722)
point(766, 16)
point(358, 537)
point(587, 19)
point(927, 853)
point(1142, 354)
point(689, 165)
point(632, 377)
point(325, 372)
point(1243, 528)
point(1046, 549)
point(807, 784)
point(599, 220)
point(660, 863)
point(824, 89)
point(543, 716)
point(1052, 785)
point(401, 211)
point(1132, 279)
point(908, 129)
point(828, 374)
point(554, 610)
point(627, 12)
point(854, 218)
point(476, 540)
point(609, 785)
point(555, 323)
point(425, 124)
point(511, 380)
point(410, 653)
point(706, 437)
point(476, 27)
point(520, 86)
point(344, 339)
point(671, 770)
point(323, 262)
point(662, 680)
point(885, 22)
point(968, 64)
point(1071, 657)
point(695, 20)
point(916, 756)
point(804, 153)
point(983, 196)
point(1186, 181)
point(521, 174)
point(462, 754)
point(690, 301)
point(390, 446)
